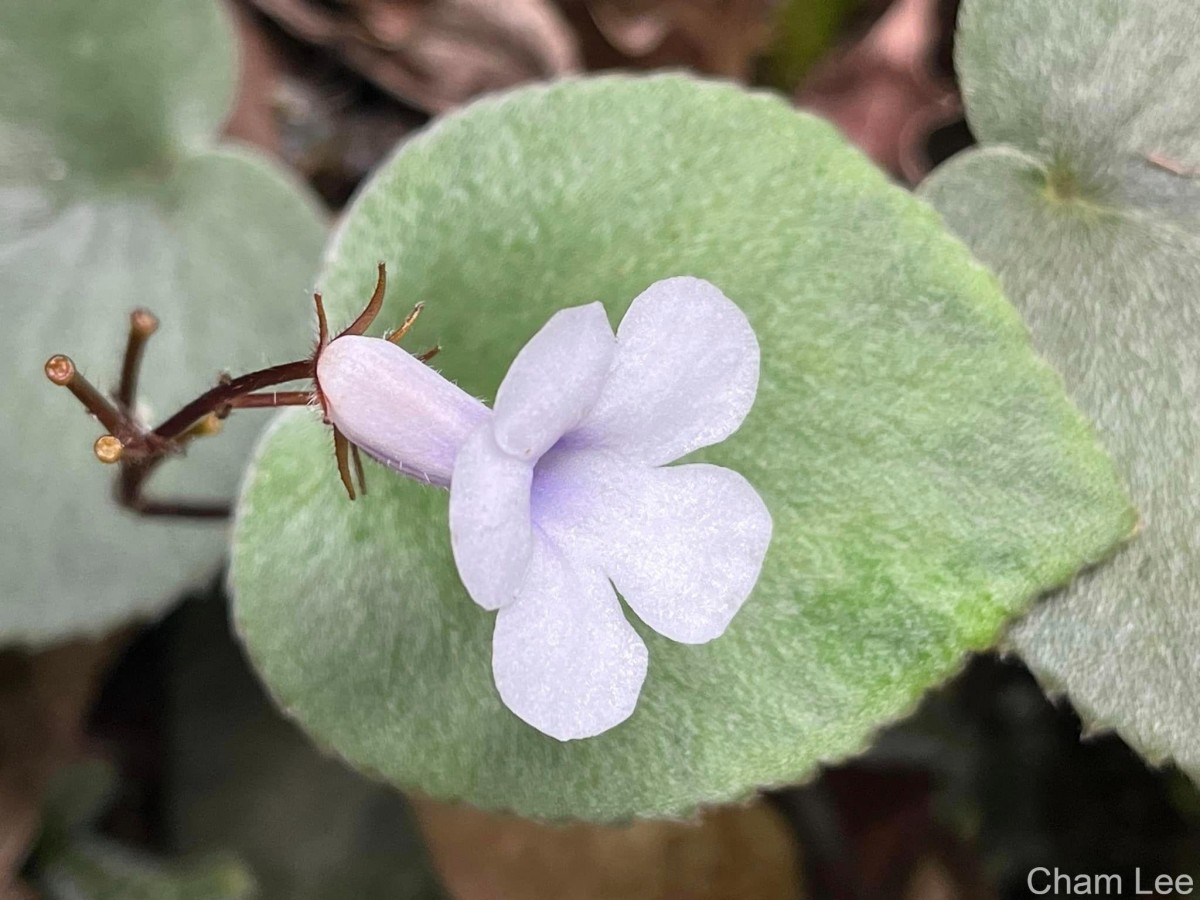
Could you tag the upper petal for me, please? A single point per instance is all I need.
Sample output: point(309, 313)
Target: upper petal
point(396, 408)
point(490, 530)
point(684, 375)
point(564, 658)
point(553, 381)
point(684, 545)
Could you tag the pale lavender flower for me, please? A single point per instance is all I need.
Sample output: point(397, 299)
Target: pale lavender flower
point(562, 492)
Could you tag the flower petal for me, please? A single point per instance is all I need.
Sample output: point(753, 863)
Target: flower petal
point(396, 408)
point(490, 529)
point(684, 375)
point(684, 545)
point(564, 658)
point(553, 381)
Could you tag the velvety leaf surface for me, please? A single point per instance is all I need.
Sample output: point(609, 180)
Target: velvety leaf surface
point(925, 472)
point(1088, 82)
point(113, 196)
point(1100, 248)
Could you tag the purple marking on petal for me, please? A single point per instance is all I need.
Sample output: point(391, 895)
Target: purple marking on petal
point(553, 381)
point(684, 375)
point(396, 408)
point(684, 545)
point(559, 491)
point(490, 528)
point(564, 658)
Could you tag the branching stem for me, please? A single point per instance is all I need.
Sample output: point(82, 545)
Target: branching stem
point(137, 450)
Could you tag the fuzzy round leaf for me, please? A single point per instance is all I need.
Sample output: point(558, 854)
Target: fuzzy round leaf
point(1092, 221)
point(112, 197)
point(925, 472)
point(1085, 82)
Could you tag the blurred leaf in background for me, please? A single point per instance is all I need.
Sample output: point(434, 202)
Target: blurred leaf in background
point(925, 471)
point(114, 194)
point(1085, 197)
point(240, 778)
point(72, 862)
point(44, 701)
point(95, 869)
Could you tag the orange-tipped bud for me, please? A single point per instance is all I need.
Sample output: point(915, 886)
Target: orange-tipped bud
point(108, 449)
point(60, 369)
point(143, 322)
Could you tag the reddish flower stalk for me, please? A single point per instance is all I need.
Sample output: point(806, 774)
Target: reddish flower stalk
point(137, 449)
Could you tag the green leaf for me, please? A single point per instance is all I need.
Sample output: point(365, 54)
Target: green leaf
point(926, 474)
point(114, 195)
point(1095, 84)
point(1100, 248)
point(98, 869)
